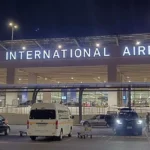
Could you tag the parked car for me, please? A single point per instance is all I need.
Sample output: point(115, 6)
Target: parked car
point(129, 122)
point(4, 126)
point(97, 120)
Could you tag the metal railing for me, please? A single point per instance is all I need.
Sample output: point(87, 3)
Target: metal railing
point(74, 110)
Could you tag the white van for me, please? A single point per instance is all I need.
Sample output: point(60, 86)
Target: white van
point(49, 120)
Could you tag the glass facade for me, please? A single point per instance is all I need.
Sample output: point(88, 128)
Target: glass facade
point(140, 98)
point(89, 99)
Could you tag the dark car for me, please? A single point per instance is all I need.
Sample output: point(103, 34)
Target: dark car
point(110, 119)
point(128, 122)
point(4, 127)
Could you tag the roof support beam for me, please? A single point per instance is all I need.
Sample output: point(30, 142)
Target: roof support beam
point(117, 41)
point(77, 42)
point(38, 44)
point(3, 47)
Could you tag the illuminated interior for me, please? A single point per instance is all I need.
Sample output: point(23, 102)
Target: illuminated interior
point(88, 74)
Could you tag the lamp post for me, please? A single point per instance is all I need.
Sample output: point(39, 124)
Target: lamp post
point(13, 27)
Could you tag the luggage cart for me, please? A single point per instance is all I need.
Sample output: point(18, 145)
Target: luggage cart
point(85, 131)
point(22, 133)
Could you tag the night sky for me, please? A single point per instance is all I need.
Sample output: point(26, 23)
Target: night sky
point(71, 18)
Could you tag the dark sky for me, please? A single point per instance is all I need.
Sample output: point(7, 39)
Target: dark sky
point(62, 18)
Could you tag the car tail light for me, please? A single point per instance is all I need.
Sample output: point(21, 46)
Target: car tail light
point(57, 124)
point(27, 124)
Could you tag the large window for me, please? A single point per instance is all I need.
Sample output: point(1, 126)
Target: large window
point(140, 98)
point(89, 99)
point(95, 99)
point(42, 114)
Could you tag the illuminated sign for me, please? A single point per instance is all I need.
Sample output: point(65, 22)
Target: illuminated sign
point(57, 54)
point(136, 51)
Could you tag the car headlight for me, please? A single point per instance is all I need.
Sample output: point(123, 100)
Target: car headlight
point(118, 121)
point(82, 121)
point(139, 122)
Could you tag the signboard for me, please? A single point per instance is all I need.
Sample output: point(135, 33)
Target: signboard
point(79, 53)
point(57, 54)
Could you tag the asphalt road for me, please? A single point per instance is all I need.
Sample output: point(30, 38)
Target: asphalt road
point(103, 139)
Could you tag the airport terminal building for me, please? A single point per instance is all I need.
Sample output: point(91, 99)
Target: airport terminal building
point(122, 58)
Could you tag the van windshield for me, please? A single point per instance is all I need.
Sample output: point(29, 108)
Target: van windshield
point(42, 114)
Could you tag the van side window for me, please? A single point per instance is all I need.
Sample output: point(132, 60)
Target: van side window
point(63, 114)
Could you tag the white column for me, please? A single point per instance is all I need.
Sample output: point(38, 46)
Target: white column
point(32, 79)
point(112, 98)
point(47, 97)
point(11, 97)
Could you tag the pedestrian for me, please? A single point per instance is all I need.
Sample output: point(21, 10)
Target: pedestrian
point(147, 120)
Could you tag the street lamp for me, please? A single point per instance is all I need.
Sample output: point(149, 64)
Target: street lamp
point(13, 26)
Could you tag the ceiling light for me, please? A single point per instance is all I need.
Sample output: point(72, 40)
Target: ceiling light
point(81, 82)
point(99, 77)
point(138, 43)
point(72, 78)
point(58, 82)
point(19, 79)
point(128, 77)
point(97, 45)
point(59, 46)
point(24, 48)
point(45, 78)
point(129, 81)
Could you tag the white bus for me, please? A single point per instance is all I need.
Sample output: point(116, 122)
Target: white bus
point(49, 120)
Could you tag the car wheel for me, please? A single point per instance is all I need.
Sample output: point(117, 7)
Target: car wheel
point(70, 134)
point(7, 131)
point(60, 136)
point(33, 138)
point(86, 124)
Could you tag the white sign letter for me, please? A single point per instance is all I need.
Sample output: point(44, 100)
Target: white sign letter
point(126, 51)
point(46, 54)
point(141, 49)
point(64, 52)
point(29, 55)
point(97, 52)
point(148, 50)
point(134, 52)
point(6, 55)
point(21, 52)
point(105, 54)
point(37, 54)
point(79, 53)
point(86, 53)
point(12, 55)
point(70, 53)
point(56, 54)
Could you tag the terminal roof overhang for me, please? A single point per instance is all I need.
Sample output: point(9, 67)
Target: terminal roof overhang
point(88, 86)
point(72, 42)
